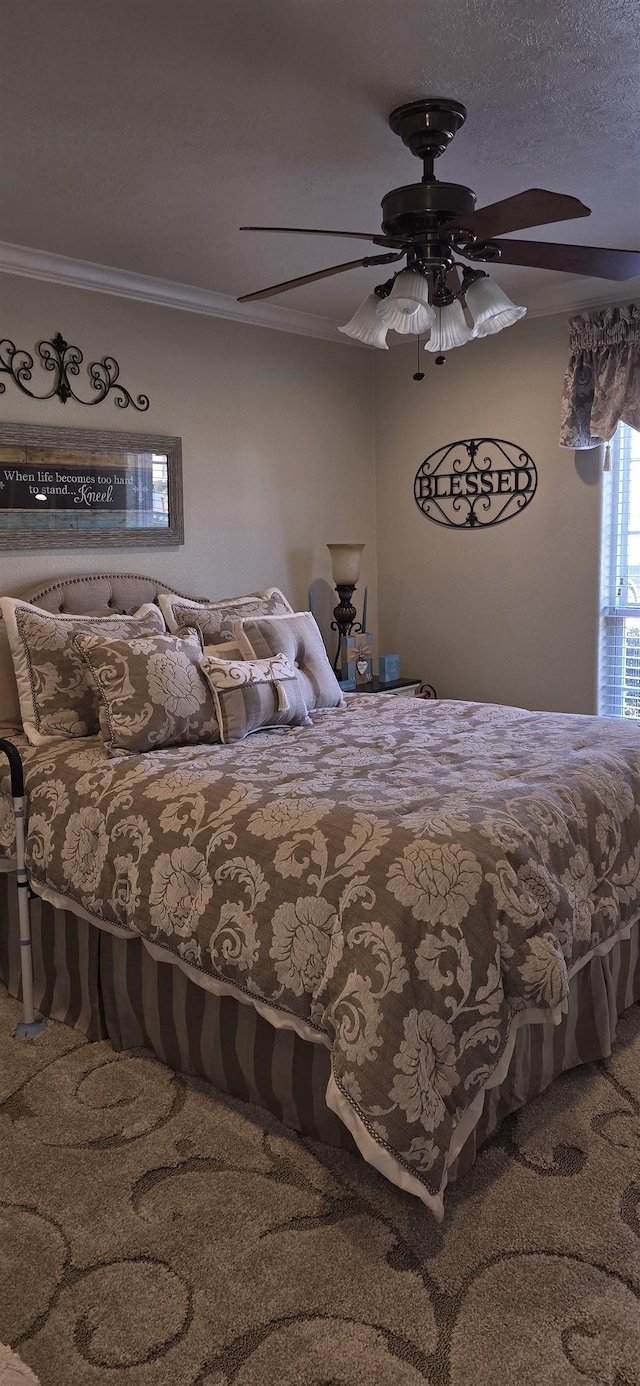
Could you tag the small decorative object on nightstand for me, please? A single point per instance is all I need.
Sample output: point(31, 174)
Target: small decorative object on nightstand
point(347, 661)
point(364, 662)
point(388, 668)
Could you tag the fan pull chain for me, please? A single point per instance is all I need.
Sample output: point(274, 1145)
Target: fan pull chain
point(440, 360)
point(419, 375)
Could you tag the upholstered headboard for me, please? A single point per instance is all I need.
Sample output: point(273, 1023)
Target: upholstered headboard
point(100, 594)
point(95, 594)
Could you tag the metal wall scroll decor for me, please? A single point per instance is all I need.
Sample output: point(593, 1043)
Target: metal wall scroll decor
point(475, 483)
point(64, 361)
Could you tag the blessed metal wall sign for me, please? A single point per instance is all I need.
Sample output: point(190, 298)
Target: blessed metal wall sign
point(475, 483)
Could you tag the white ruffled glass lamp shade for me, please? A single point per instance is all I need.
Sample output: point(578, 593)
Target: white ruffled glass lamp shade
point(490, 308)
point(366, 326)
point(407, 309)
point(497, 323)
point(449, 330)
point(345, 563)
point(417, 323)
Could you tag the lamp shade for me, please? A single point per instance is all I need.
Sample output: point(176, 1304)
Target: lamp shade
point(497, 323)
point(450, 329)
point(407, 308)
point(345, 563)
point(416, 323)
point(366, 326)
point(490, 308)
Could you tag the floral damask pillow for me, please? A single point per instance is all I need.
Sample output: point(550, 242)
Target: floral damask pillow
point(151, 691)
point(56, 695)
point(254, 694)
point(215, 620)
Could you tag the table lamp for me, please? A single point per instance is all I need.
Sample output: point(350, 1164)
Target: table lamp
point(345, 568)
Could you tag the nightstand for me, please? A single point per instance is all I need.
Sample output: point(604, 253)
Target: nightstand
point(399, 688)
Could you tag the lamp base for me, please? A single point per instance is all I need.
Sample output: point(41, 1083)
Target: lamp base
point(344, 615)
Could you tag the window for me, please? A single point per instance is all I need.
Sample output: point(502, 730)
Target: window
point(619, 693)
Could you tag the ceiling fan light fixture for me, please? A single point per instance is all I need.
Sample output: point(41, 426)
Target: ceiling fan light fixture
point(416, 323)
point(496, 324)
point(365, 325)
point(409, 292)
point(432, 221)
point(490, 307)
point(449, 330)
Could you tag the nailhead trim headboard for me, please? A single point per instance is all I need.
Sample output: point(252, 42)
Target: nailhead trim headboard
point(99, 594)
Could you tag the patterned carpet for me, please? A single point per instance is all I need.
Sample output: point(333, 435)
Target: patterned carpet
point(155, 1233)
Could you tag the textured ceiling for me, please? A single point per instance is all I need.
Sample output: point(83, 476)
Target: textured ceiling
point(141, 133)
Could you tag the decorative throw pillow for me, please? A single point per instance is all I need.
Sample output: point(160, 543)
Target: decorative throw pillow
point(297, 636)
point(151, 691)
point(56, 695)
point(254, 694)
point(215, 620)
point(10, 719)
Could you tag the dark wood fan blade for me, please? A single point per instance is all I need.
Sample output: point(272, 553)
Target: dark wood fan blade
point(321, 274)
point(535, 207)
point(597, 261)
point(377, 238)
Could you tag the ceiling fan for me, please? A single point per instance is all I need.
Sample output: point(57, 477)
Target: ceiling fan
point(431, 223)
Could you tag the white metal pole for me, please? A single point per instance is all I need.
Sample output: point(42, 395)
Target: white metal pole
point(29, 1026)
point(26, 959)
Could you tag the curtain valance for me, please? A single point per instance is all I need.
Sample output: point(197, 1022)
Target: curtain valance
point(602, 383)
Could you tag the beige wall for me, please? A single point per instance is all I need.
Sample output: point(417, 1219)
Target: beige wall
point(277, 437)
point(278, 459)
point(507, 615)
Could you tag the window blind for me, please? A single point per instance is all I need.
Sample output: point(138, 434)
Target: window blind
point(619, 662)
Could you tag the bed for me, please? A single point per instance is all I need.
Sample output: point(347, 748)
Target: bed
point(391, 927)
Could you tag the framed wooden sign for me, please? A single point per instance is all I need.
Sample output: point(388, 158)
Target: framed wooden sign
point(76, 487)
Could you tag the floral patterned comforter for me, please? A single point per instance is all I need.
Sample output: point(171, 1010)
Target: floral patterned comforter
point(403, 878)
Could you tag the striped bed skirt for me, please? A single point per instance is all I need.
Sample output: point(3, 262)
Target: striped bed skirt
point(109, 987)
point(65, 953)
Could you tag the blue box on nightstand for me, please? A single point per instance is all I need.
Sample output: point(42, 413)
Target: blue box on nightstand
point(347, 650)
point(389, 668)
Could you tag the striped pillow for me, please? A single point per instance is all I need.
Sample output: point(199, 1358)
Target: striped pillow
point(250, 695)
point(297, 636)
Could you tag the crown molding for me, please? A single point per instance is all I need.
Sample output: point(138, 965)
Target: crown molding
point(568, 295)
point(166, 293)
point(575, 294)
